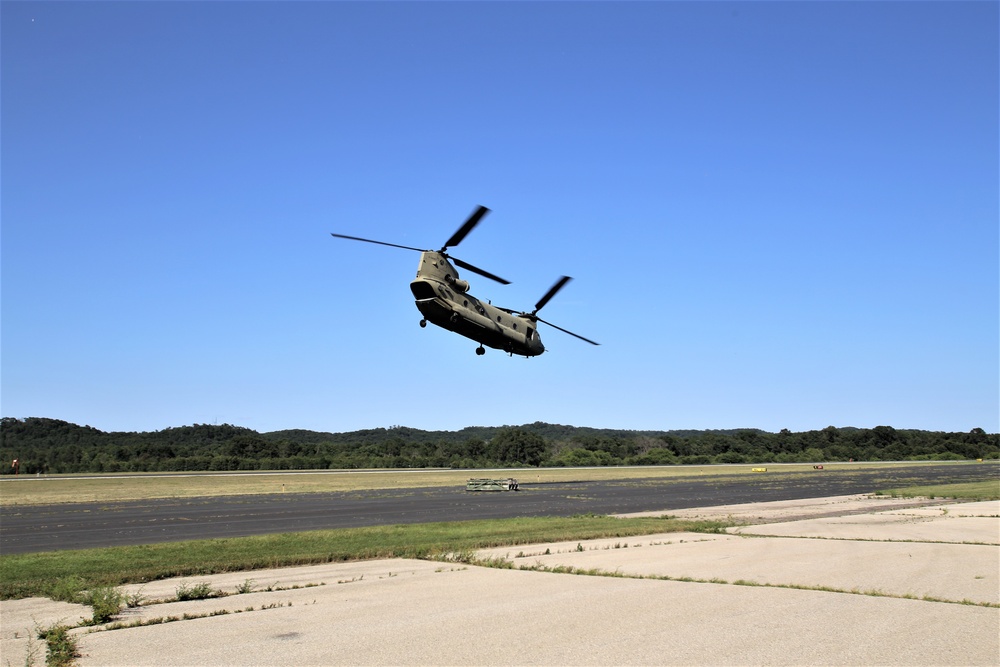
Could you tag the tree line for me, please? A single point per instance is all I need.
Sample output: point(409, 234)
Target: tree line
point(49, 446)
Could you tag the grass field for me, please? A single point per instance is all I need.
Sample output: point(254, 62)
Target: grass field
point(29, 490)
point(50, 574)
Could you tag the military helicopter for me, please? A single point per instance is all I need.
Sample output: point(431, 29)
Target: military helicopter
point(443, 298)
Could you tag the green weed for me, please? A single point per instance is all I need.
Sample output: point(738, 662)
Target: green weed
point(245, 587)
point(133, 600)
point(62, 646)
point(199, 591)
point(106, 601)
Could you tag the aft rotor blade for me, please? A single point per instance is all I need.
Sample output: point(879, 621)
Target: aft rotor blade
point(358, 238)
point(586, 340)
point(476, 269)
point(551, 293)
point(466, 227)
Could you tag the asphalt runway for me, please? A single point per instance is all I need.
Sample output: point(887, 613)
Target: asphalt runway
point(28, 529)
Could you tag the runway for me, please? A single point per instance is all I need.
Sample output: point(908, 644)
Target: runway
point(27, 529)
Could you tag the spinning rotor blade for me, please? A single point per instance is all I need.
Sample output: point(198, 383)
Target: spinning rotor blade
point(358, 238)
point(586, 340)
point(476, 269)
point(533, 316)
point(463, 231)
point(551, 293)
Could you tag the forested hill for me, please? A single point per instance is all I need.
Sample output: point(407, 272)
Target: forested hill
point(54, 446)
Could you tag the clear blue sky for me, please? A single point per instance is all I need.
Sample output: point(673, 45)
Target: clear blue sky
point(778, 215)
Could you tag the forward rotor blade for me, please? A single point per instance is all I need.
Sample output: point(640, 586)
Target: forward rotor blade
point(394, 245)
point(476, 269)
point(551, 293)
point(466, 227)
point(586, 340)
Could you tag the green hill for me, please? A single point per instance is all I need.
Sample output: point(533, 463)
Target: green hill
point(44, 445)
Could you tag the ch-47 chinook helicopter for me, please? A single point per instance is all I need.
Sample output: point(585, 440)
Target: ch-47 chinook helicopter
point(443, 299)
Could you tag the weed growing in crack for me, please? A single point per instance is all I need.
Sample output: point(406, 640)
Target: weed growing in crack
point(106, 601)
point(62, 647)
point(199, 591)
point(245, 587)
point(133, 600)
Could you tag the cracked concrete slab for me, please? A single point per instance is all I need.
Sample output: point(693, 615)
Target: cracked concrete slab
point(941, 571)
point(883, 526)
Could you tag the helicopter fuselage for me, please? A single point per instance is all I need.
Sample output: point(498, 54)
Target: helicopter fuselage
point(443, 299)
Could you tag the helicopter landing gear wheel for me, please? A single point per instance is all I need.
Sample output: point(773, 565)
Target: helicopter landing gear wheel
point(480, 350)
point(423, 323)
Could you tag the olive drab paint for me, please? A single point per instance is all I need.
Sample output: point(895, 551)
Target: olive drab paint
point(443, 298)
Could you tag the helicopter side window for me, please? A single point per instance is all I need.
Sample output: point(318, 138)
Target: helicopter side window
point(531, 332)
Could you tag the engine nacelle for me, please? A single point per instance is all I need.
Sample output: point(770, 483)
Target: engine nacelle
point(458, 285)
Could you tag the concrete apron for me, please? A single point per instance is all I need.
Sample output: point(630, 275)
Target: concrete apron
point(805, 592)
